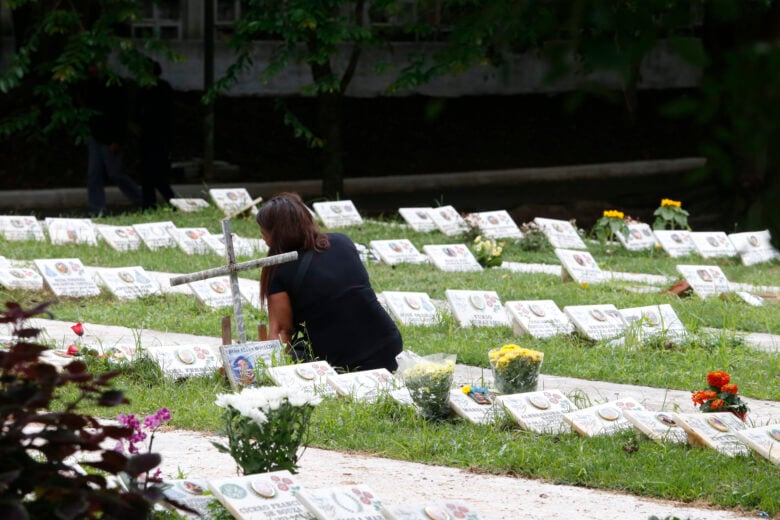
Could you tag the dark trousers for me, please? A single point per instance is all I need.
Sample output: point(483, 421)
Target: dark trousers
point(155, 172)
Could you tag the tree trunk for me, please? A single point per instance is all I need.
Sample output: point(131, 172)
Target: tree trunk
point(329, 119)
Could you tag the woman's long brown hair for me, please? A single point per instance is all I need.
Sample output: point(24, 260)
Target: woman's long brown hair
point(289, 222)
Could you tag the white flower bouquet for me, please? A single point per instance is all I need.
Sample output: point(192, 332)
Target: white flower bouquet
point(265, 426)
point(429, 380)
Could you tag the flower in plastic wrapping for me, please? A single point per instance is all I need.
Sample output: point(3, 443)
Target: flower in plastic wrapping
point(429, 380)
point(515, 368)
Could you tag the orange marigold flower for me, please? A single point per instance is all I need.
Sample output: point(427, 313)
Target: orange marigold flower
point(702, 396)
point(716, 403)
point(729, 389)
point(718, 379)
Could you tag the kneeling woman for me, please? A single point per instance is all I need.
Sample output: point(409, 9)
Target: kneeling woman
point(325, 294)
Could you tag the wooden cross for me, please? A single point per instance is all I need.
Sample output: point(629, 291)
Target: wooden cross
point(233, 269)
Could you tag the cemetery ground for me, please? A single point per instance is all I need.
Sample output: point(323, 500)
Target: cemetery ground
point(624, 463)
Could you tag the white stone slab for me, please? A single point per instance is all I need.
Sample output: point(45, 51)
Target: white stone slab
point(754, 247)
point(418, 218)
point(179, 361)
point(66, 277)
point(189, 205)
point(705, 280)
point(711, 244)
point(518, 267)
point(231, 200)
point(448, 220)
point(676, 243)
point(155, 234)
point(477, 308)
point(127, 283)
point(20, 277)
point(602, 419)
point(214, 292)
point(21, 227)
point(250, 291)
point(350, 502)
point(560, 233)
point(596, 322)
point(539, 318)
point(750, 298)
point(258, 245)
point(310, 378)
point(659, 426)
point(163, 280)
point(411, 308)
point(541, 411)
point(334, 214)
point(242, 361)
point(216, 243)
point(71, 231)
point(495, 224)
point(764, 440)
point(121, 238)
point(713, 430)
point(262, 496)
point(639, 237)
point(452, 257)
point(432, 510)
point(190, 240)
point(192, 492)
point(654, 320)
point(651, 279)
point(366, 385)
point(466, 407)
point(397, 251)
point(580, 266)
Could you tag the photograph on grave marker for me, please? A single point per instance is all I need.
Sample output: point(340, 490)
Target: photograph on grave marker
point(711, 244)
point(596, 322)
point(155, 234)
point(365, 385)
point(754, 247)
point(190, 240)
point(121, 238)
point(658, 426)
point(580, 266)
point(232, 200)
point(261, 496)
point(539, 318)
point(21, 227)
point(411, 308)
point(180, 361)
point(418, 218)
point(66, 277)
point(432, 510)
point(71, 231)
point(714, 430)
point(541, 411)
point(705, 280)
point(560, 233)
point(127, 283)
point(353, 502)
point(310, 378)
point(764, 440)
point(639, 237)
point(653, 320)
point(189, 205)
point(602, 419)
point(448, 221)
point(245, 363)
point(397, 251)
point(192, 492)
point(336, 214)
point(676, 243)
point(494, 224)
point(477, 308)
point(452, 257)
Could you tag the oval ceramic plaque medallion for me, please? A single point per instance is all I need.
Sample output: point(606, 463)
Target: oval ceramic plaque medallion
point(263, 489)
point(305, 373)
point(666, 420)
point(192, 488)
point(436, 513)
point(775, 434)
point(477, 302)
point(233, 491)
point(717, 424)
point(186, 356)
point(413, 302)
point(609, 413)
point(539, 401)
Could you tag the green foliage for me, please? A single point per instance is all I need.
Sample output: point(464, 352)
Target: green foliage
point(670, 215)
point(608, 226)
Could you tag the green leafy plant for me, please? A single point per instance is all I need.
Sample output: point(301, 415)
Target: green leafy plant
point(609, 225)
point(670, 215)
point(534, 238)
point(37, 438)
point(265, 426)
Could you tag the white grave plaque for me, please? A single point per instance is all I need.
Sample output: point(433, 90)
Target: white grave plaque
point(418, 218)
point(705, 280)
point(190, 240)
point(754, 247)
point(121, 238)
point(242, 361)
point(540, 411)
point(517, 267)
point(353, 502)
point(560, 233)
point(164, 281)
point(231, 200)
point(214, 292)
point(127, 283)
point(580, 266)
point(189, 205)
point(469, 409)
point(639, 237)
point(262, 496)
point(21, 228)
point(340, 213)
point(452, 257)
point(155, 234)
point(539, 318)
point(602, 419)
point(178, 361)
point(714, 430)
point(596, 322)
point(654, 320)
point(751, 299)
point(411, 308)
point(710, 244)
point(71, 231)
point(448, 221)
point(66, 277)
point(310, 378)
point(676, 243)
point(477, 308)
point(241, 246)
point(397, 251)
point(496, 224)
point(764, 440)
point(366, 385)
point(434, 509)
point(19, 277)
point(659, 426)
point(193, 493)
